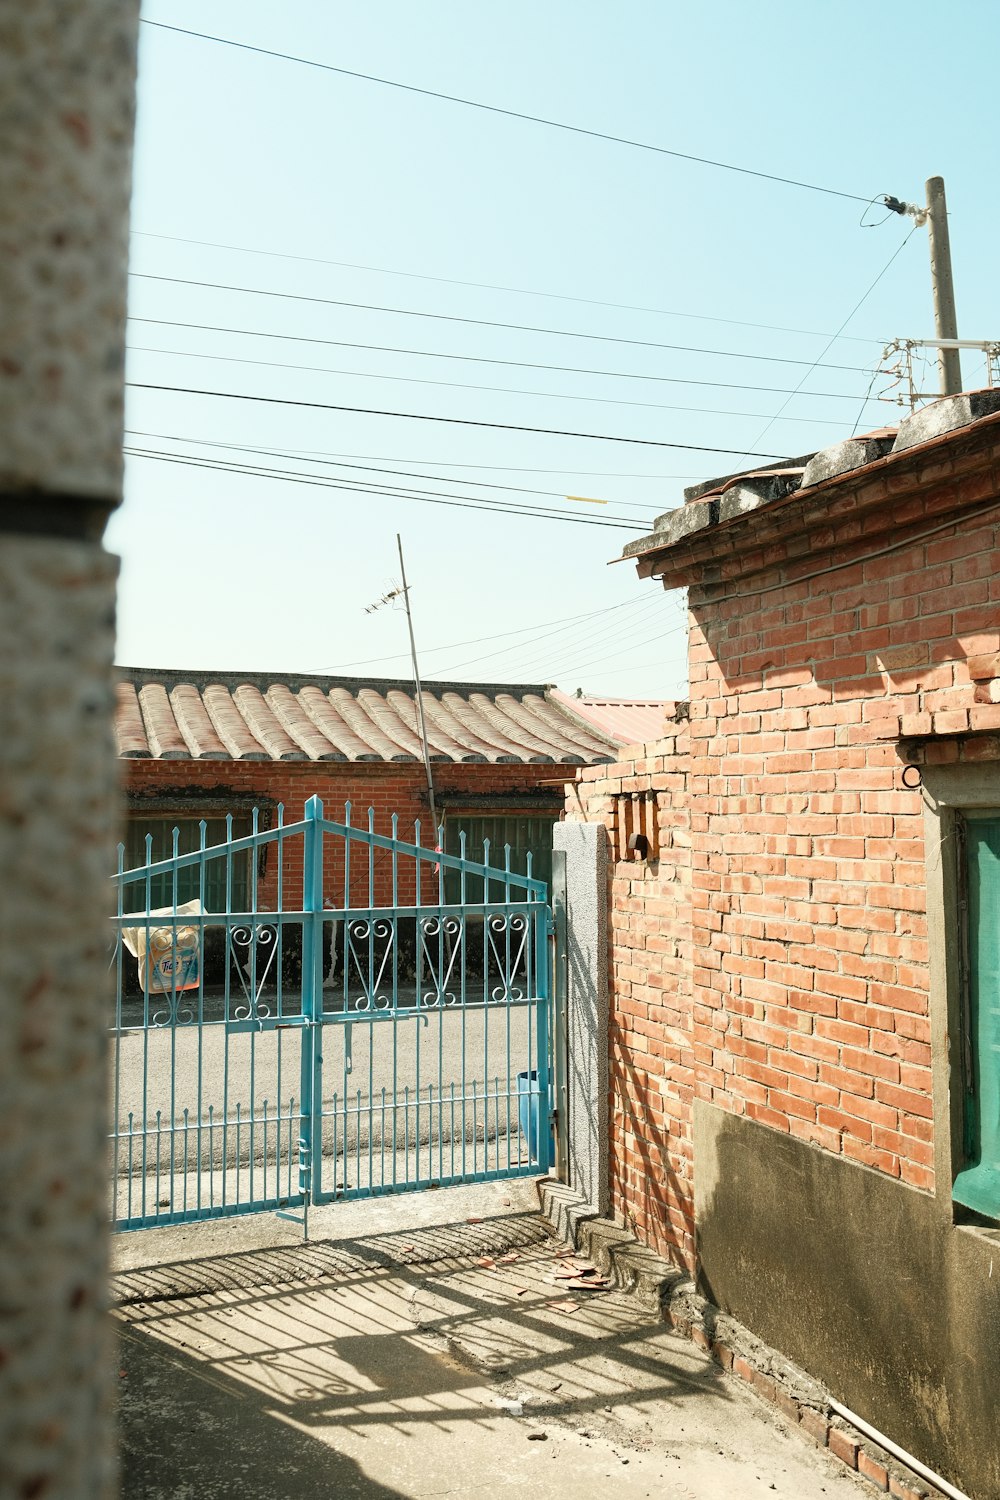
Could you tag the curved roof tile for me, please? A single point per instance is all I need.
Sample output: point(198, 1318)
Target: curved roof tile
point(500, 748)
point(366, 726)
point(332, 725)
point(195, 724)
point(406, 741)
point(587, 742)
point(265, 724)
point(438, 739)
point(230, 725)
point(531, 747)
point(295, 720)
point(130, 732)
point(165, 740)
point(253, 716)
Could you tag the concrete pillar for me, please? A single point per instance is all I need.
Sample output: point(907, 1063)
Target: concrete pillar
point(66, 110)
point(585, 847)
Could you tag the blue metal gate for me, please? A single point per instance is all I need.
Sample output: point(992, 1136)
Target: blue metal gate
point(333, 1029)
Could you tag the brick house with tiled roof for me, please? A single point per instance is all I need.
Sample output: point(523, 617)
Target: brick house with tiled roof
point(204, 745)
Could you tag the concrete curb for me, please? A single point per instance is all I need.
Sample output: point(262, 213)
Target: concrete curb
point(670, 1293)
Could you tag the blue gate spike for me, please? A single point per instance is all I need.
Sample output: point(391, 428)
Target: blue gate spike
point(436, 1006)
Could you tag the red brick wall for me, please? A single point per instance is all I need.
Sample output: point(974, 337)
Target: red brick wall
point(401, 788)
point(808, 882)
point(651, 1065)
point(806, 1004)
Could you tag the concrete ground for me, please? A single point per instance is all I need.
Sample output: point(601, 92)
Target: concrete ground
point(396, 1356)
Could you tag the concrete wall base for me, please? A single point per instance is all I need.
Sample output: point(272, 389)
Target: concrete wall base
point(671, 1294)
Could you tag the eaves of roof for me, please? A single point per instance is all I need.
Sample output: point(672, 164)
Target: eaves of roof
point(739, 506)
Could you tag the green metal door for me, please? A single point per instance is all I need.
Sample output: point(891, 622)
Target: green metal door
point(978, 1184)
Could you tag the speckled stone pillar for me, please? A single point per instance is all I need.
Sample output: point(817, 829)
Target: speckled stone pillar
point(66, 108)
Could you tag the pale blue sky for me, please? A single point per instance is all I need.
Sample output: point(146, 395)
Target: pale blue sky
point(236, 571)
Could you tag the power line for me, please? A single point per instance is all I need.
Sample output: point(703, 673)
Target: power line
point(409, 416)
point(499, 390)
point(638, 621)
point(836, 336)
point(477, 640)
point(549, 660)
point(574, 667)
point(609, 662)
point(608, 656)
point(497, 468)
point(410, 312)
point(483, 359)
point(428, 497)
point(513, 114)
point(173, 437)
point(629, 645)
point(489, 286)
point(336, 461)
point(595, 637)
point(641, 666)
point(532, 659)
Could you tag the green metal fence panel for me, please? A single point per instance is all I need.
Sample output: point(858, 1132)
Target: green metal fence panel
point(316, 1011)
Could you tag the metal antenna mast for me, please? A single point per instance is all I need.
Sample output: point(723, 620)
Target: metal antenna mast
point(420, 696)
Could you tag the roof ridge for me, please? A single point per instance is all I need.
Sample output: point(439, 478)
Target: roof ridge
point(234, 678)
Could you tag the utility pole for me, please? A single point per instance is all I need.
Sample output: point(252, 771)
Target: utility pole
point(945, 320)
point(420, 696)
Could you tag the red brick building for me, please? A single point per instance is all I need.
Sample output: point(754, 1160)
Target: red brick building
point(805, 981)
point(206, 745)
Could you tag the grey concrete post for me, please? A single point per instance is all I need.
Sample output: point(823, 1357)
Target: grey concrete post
point(585, 848)
point(943, 286)
point(66, 108)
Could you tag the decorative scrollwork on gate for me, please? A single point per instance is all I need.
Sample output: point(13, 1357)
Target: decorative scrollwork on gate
point(507, 936)
point(379, 935)
point(177, 1013)
point(449, 932)
point(249, 940)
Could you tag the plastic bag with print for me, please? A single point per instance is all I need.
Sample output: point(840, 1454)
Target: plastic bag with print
point(169, 957)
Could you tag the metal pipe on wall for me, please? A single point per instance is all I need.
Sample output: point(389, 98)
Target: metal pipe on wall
point(896, 1451)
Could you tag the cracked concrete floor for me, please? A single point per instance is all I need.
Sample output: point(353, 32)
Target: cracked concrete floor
point(382, 1360)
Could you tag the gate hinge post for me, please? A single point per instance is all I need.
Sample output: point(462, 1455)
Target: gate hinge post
point(560, 1026)
point(310, 1149)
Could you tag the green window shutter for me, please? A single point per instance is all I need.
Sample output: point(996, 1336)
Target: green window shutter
point(525, 834)
point(978, 1184)
point(161, 830)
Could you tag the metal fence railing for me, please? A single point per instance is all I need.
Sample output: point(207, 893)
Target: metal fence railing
point(306, 1018)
